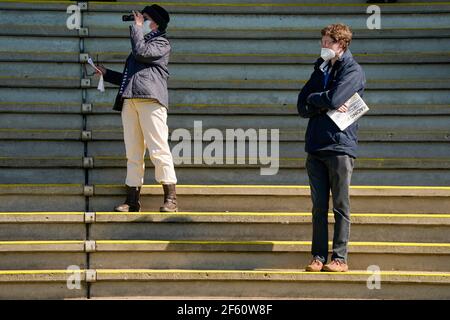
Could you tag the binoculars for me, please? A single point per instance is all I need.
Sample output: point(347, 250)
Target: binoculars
point(128, 17)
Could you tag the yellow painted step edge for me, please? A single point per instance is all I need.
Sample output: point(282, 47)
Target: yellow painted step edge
point(60, 242)
point(280, 214)
point(232, 186)
point(41, 213)
point(281, 187)
point(212, 213)
point(13, 185)
point(13, 272)
point(172, 271)
point(375, 244)
point(208, 242)
point(398, 273)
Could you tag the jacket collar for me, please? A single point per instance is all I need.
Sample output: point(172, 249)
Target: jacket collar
point(154, 34)
point(346, 56)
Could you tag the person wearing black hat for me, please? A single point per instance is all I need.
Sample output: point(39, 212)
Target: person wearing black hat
point(158, 14)
point(143, 102)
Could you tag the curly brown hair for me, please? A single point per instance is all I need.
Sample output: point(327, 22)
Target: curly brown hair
point(340, 33)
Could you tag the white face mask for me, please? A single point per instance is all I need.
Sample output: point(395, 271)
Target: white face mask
point(327, 54)
point(147, 27)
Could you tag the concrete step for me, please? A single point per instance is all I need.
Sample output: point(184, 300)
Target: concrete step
point(391, 102)
point(224, 175)
point(254, 198)
point(284, 162)
point(325, 7)
point(247, 25)
point(262, 97)
point(290, 50)
point(213, 254)
point(43, 284)
point(42, 162)
point(237, 198)
point(389, 57)
point(284, 134)
point(42, 255)
point(223, 226)
point(42, 197)
point(16, 153)
point(275, 226)
point(203, 74)
point(42, 175)
point(271, 172)
point(277, 284)
point(216, 108)
point(221, 76)
point(261, 255)
point(74, 82)
point(52, 49)
point(252, 176)
point(237, 50)
point(107, 152)
point(104, 283)
point(288, 127)
point(42, 226)
point(244, 7)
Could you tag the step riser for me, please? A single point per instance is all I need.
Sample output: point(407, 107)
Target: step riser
point(215, 260)
point(40, 291)
point(184, 75)
point(226, 176)
point(269, 203)
point(239, 289)
point(42, 260)
point(268, 289)
point(244, 232)
point(252, 260)
point(217, 231)
point(219, 203)
point(34, 203)
point(102, 21)
point(41, 231)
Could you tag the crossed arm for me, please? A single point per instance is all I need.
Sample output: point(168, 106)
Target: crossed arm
point(311, 103)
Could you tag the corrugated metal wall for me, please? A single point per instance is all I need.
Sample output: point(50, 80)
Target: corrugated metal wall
point(234, 65)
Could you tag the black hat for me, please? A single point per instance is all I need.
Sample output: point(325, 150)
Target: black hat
point(158, 14)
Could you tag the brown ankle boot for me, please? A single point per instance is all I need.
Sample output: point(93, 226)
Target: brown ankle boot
point(170, 199)
point(132, 203)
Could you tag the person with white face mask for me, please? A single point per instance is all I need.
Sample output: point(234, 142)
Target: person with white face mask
point(331, 152)
point(327, 54)
point(146, 27)
point(143, 101)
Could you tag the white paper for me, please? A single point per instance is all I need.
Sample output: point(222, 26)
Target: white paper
point(101, 83)
point(356, 109)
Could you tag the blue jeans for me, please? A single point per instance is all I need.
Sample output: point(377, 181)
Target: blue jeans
point(330, 172)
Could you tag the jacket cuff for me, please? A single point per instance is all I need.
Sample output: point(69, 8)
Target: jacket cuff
point(314, 99)
point(137, 33)
point(319, 100)
point(107, 74)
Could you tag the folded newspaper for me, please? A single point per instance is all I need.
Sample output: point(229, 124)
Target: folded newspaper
point(356, 109)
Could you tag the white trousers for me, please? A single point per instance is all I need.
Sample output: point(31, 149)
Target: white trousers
point(145, 125)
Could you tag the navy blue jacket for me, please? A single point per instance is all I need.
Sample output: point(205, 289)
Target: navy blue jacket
point(345, 78)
